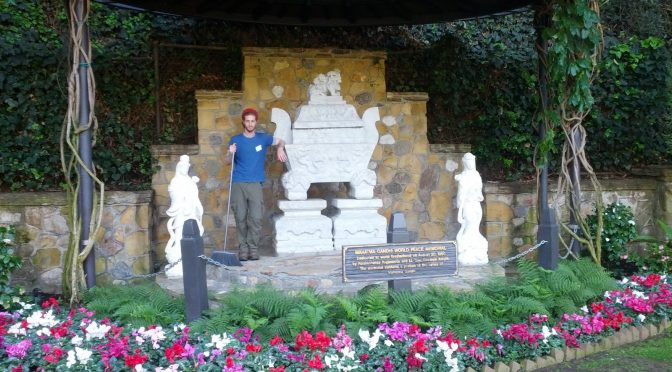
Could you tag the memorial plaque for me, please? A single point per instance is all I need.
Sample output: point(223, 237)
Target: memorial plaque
point(399, 261)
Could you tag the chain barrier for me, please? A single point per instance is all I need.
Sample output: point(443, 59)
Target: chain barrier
point(521, 254)
point(213, 262)
point(152, 275)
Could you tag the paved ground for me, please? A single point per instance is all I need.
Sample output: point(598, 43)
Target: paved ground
point(322, 271)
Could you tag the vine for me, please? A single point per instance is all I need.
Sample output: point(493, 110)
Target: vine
point(574, 41)
point(72, 163)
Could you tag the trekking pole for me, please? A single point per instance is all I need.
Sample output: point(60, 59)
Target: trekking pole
point(228, 203)
point(224, 257)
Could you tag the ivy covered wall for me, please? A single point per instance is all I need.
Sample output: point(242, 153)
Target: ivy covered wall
point(480, 76)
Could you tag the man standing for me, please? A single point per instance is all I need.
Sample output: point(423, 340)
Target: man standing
point(247, 201)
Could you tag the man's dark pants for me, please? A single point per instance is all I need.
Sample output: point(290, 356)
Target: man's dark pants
point(247, 203)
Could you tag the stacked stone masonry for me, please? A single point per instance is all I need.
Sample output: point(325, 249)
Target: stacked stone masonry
point(413, 177)
point(43, 234)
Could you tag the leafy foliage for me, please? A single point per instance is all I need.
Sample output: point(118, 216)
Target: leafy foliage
point(137, 305)
point(480, 76)
point(618, 230)
point(9, 261)
point(657, 257)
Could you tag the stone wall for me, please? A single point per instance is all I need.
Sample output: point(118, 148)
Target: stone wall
point(510, 210)
point(413, 177)
point(43, 234)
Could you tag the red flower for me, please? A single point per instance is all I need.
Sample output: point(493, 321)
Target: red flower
point(253, 348)
point(18, 369)
point(316, 362)
point(364, 357)
point(277, 369)
point(136, 359)
point(173, 352)
point(276, 340)
point(50, 302)
point(229, 362)
point(322, 341)
point(54, 356)
point(597, 307)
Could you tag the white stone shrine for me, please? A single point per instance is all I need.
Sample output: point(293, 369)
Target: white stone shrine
point(328, 142)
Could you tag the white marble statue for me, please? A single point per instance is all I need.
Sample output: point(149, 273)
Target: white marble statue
point(472, 247)
point(184, 205)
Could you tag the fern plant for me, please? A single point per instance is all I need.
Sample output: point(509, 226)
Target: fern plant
point(137, 305)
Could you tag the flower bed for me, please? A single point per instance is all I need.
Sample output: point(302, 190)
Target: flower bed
point(54, 338)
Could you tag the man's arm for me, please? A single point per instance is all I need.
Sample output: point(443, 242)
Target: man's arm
point(282, 155)
point(229, 154)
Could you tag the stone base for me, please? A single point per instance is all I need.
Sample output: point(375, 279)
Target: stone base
point(302, 228)
point(358, 222)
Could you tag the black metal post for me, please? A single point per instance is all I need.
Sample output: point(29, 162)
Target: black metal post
point(548, 228)
point(193, 269)
point(85, 199)
point(398, 233)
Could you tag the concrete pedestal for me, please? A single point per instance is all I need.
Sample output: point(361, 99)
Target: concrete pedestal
point(358, 222)
point(302, 228)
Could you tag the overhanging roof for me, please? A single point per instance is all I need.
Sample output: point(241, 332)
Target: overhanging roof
point(329, 12)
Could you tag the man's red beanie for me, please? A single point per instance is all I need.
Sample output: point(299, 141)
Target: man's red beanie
point(250, 111)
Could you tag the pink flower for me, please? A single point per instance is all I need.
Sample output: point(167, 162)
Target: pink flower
point(18, 350)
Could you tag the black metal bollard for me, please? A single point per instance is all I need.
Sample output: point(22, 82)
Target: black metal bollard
point(549, 230)
point(398, 233)
point(193, 269)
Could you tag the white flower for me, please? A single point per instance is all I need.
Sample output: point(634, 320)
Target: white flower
point(180, 327)
point(44, 331)
point(641, 317)
point(16, 329)
point(26, 306)
point(76, 340)
point(83, 355)
point(606, 294)
point(171, 368)
point(328, 359)
point(640, 295)
point(388, 343)
point(71, 359)
point(347, 353)
point(584, 308)
point(219, 342)
point(7, 241)
point(138, 368)
point(156, 334)
point(624, 281)
point(372, 340)
point(41, 319)
point(419, 356)
point(632, 222)
point(607, 239)
point(96, 331)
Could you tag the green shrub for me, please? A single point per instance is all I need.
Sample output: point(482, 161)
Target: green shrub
point(9, 262)
point(619, 230)
point(657, 257)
